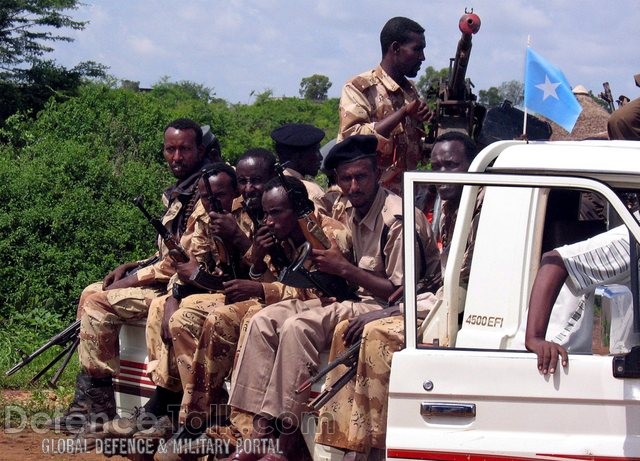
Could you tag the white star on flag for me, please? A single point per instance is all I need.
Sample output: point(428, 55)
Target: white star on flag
point(558, 102)
point(548, 88)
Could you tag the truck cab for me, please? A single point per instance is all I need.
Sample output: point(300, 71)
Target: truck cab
point(464, 387)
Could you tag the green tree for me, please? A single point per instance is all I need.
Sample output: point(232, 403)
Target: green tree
point(25, 29)
point(429, 83)
point(315, 87)
point(490, 97)
point(512, 90)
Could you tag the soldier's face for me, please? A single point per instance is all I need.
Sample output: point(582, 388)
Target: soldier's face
point(279, 215)
point(221, 189)
point(448, 156)
point(408, 56)
point(181, 152)
point(252, 176)
point(359, 182)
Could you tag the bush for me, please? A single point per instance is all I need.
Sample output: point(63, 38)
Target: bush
point(66, 216)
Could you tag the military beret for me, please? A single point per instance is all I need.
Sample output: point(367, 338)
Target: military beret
point(297, 135)
point(350, 149)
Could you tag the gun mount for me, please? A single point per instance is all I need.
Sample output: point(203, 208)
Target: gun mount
point(456, 107)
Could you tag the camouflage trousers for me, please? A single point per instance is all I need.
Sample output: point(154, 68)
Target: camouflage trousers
point(282, 348)
point(204, 333)
point(162, 365)
point(103, 313)
point(356, 418)
point(203, 382)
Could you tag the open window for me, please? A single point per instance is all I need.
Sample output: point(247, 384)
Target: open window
point(504, 225)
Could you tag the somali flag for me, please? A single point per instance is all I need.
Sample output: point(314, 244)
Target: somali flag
point(547, 92)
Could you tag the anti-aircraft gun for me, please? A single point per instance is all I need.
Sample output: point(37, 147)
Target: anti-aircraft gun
point(456, 107)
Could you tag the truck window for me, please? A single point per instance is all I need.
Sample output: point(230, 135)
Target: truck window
point(493, 274)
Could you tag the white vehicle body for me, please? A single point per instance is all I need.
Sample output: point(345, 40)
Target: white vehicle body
point(476, 397)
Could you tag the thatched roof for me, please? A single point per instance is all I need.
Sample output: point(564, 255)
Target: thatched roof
point(592, 122)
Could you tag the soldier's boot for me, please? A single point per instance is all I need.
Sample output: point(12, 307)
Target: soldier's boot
point(146, 417)
point(93, 404)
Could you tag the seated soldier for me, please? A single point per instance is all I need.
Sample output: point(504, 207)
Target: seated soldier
point(125, 293)
point(355, 420)
point(219, 334)
point(284, 340)
point(198, 280)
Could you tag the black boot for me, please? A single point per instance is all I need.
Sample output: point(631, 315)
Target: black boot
point(93, 402)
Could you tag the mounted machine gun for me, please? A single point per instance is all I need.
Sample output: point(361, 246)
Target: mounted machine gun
point(456, 107)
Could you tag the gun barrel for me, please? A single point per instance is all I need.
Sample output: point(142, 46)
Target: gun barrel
point(349, 358)
point(469, 24)
point(65, 336)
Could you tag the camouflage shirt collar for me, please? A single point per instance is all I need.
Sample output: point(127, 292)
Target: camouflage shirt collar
point(386, 80)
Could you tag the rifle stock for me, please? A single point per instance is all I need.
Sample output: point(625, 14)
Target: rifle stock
point(175, 249)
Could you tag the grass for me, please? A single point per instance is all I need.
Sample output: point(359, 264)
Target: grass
point(21, 397)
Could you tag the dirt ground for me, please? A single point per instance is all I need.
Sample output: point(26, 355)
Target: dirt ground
point(27, 445)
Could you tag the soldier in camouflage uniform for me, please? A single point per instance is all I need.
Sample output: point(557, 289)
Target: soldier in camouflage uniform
point(356, 418)
point(203, 372)
point(126, 292)
point(383, 102)
point(219, 241)
point(284, 340)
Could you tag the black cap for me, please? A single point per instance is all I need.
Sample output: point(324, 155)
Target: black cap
point(297, 135)
point(351, 149)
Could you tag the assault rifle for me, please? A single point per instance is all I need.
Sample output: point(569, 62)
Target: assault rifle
point(227, 261)
point(175, 249)
point(68, 339)
point(329, 284)
point(349, 358)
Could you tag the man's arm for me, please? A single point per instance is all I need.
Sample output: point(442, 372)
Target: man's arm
point(546, 287)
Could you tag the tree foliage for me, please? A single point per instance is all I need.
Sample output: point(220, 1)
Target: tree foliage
point(512, 91)
point(26, 28)
point(315, 87)
point(429, 83)
point(69, 175)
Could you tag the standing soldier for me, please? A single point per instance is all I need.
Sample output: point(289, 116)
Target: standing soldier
point(383, 102)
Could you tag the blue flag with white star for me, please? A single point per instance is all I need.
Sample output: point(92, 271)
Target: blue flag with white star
point(547, 92)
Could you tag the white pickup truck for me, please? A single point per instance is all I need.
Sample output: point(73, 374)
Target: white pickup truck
point(478, 395)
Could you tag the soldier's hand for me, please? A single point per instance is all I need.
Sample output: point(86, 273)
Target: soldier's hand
point(185, 270)
point(548, 353)
point(117, 274)
point(170, 307)
point(262, 241)
point(418, 110)
point(356, 325)
point(240, 290)
point(224, 225)
point(331, 260)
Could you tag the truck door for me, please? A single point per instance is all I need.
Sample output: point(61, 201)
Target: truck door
point(481, 396)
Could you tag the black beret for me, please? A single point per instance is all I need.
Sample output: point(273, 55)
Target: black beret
point(350, 149)
point(297, 135)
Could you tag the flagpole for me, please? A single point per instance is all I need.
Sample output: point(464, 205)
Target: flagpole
point(524, 123)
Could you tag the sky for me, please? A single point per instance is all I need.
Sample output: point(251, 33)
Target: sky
point(240, 48)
